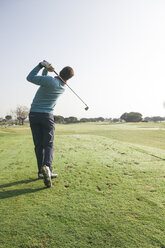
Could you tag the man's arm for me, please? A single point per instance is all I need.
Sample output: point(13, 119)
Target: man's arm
point(44, 72)
point(39, 80)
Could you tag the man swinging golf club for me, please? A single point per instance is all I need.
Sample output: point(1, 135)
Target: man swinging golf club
point(41, 115)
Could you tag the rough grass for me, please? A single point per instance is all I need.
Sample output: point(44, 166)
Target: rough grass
point(109, 193)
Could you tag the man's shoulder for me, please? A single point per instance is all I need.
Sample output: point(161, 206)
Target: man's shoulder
point(58, 82)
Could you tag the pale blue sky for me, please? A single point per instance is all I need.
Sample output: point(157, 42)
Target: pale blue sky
point(116, 47)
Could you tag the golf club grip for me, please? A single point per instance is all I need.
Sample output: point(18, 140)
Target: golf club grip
point(70, 88)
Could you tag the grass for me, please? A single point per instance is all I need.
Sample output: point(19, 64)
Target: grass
point(109, 193)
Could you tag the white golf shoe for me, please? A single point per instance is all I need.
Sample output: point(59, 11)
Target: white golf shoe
point(47, 176)
point(54, 175)
point(41, 176)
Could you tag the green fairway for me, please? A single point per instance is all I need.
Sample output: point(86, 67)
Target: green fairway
point(110, 191)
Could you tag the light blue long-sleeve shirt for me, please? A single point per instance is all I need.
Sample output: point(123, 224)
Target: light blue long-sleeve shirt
point(47, 94)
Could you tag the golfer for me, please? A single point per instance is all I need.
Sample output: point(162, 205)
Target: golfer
point(41, 115)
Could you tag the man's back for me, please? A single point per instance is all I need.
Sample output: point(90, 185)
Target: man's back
point(47, 94)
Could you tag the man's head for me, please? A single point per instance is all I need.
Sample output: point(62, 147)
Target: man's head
point(66, 73)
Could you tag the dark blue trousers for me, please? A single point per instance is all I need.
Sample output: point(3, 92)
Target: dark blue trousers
point(42, 127)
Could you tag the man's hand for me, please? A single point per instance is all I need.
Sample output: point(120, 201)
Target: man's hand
point(47, 66)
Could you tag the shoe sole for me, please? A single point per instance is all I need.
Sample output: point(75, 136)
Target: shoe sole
point(51, 177)
point(47, 179)
point(54, 176)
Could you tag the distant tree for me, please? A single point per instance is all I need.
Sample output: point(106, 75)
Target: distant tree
point(157, 118)
point(109, 119)
point(154, 119)
point(116, 120)
point(8, 117)
point(124, 116)
point(90, 119)
point(58, 119)
point(3, 121)
point(84, 120)
point(100, 119)
point(21, 114)
point(147, 119)
point(71, 119)
point(131, 117)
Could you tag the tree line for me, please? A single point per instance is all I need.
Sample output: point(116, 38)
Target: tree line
point(126, 117)
point(20, 114)
point(73, 119)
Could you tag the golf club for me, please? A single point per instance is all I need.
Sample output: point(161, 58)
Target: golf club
point(86, 108)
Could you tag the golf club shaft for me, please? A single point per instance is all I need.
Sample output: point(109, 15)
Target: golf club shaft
point(71, 89)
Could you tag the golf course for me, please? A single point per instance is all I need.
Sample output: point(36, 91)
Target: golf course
point(110, 189)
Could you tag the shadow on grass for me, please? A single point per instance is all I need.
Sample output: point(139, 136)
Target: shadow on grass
point(16, 192)
point(18, 182)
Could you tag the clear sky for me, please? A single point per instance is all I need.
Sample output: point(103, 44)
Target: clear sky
point(116, 47)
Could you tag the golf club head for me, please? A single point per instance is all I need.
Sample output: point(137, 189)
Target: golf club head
point(86, 108)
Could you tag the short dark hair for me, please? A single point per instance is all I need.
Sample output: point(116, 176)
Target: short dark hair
point(66, 73)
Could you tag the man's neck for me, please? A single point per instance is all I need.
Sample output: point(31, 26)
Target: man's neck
point(64, 81)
